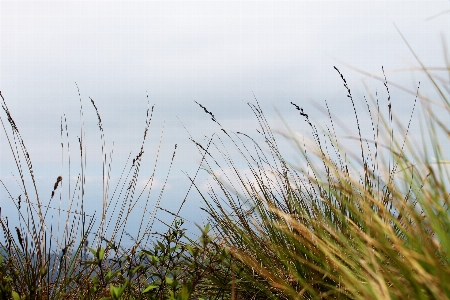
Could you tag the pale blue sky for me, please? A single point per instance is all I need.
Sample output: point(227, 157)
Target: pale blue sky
point(218, 53)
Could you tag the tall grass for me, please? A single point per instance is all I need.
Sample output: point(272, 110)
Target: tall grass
point(374, 224)
point(82, 255)
point(345, 223)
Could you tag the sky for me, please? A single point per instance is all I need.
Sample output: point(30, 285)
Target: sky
point(172, 54)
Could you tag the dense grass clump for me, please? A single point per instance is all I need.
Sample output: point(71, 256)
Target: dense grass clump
point(371, 225)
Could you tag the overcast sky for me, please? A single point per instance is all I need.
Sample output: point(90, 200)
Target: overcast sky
point(218, 53)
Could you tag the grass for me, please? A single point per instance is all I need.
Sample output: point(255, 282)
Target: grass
point(342, 224)
point(81, 257)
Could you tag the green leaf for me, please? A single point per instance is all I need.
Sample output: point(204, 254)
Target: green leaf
point(116, 292)
point(108, 275)
point(169, 280)
point(101, 253)
point(155, 259)
point(173, 249)
point(149, 288)
point(15, 296)
point(136, 269)
point(110, 244)
point(161, 245)
point(94, 252)
point(185, 292)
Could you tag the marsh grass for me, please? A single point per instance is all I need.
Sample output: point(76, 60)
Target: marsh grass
point(374, 224)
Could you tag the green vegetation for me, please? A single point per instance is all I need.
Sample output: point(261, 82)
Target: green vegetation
point(39, 261)
point(348, 227)
point(337, 225)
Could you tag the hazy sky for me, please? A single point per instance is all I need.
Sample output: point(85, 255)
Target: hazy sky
point(218, 53)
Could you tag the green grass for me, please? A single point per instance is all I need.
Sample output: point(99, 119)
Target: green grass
point(342, 224)
point(370, 225)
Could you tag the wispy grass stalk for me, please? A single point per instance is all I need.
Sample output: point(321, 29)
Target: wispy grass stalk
point(373, 225)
